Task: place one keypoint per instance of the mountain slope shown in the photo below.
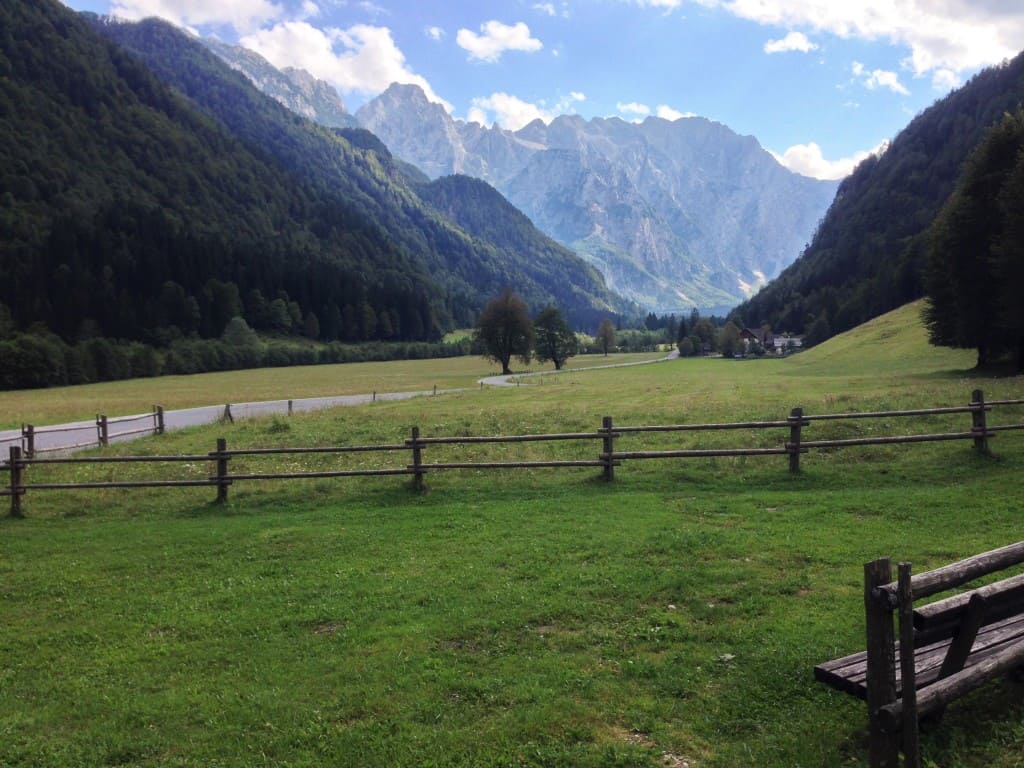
(867, 255)
(675, 214)
(294, 88)
(125, 210)
(370, 180)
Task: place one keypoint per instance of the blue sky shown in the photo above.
(819, 83)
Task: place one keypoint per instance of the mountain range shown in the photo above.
(675, 214)
(149, 191)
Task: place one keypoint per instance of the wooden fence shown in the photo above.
(101, 432)
(793, 445)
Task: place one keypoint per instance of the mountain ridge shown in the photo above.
(692, 208)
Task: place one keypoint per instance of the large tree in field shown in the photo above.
(975, 261)
(606, 335)
(505, 331)
(555, 340)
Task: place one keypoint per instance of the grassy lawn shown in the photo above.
(528, 618)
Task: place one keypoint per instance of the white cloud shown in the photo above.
(808, 160)
(667, 113)
(878, 78)
(946, 80)
(667, 4)
(547, 8)
(508, 111)
(567, 103)
(956, 35)
(635, 111)
(881, 78)
(360, 59)
(794, 41)
(435, 33)
(496, 38)
(242, 15)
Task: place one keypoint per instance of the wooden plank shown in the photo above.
(896, 440)
(1007, 592)
(700, 453)
(941, 693)
(706, 427)
(885, 414)
(321, 449)
(963, 571)
(511, 438)
(514, 464)
(849, 673)
(337, 473)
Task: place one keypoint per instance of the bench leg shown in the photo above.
(881, 662)
(960, 648)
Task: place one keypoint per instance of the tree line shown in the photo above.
(975, 266)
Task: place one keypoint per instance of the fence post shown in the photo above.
(28, 433)
(609, 448)
(881, 663)
(160, 425)
(16, 479)
(227, 414)
(417, 460)
(796, 420)
(102, 430)
(222, 470)
(908, 672)
(290, 407)
(978, 426)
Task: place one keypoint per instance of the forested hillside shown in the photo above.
(868, 254)
(479, 209)
(155, 200)
(127, 214)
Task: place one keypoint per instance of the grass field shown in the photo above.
(535, 618)
(118, 398)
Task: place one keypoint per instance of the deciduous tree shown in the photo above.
(504, 330)
(606, 335)
(555, 340)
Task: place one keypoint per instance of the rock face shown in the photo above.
(675, 214)
(294, 88)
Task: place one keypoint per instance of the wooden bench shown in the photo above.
(943, 650)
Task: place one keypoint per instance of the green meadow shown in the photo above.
(537, 617)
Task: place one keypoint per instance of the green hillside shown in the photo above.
(896, 343)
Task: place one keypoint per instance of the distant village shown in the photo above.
(771, 343)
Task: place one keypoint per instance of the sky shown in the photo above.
(819, 83)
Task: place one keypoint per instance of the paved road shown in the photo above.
(63, 438)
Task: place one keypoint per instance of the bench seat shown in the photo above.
(849, 674)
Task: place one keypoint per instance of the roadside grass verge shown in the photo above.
(516, 618)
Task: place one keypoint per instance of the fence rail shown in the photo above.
(794, 445)
(27, 441)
